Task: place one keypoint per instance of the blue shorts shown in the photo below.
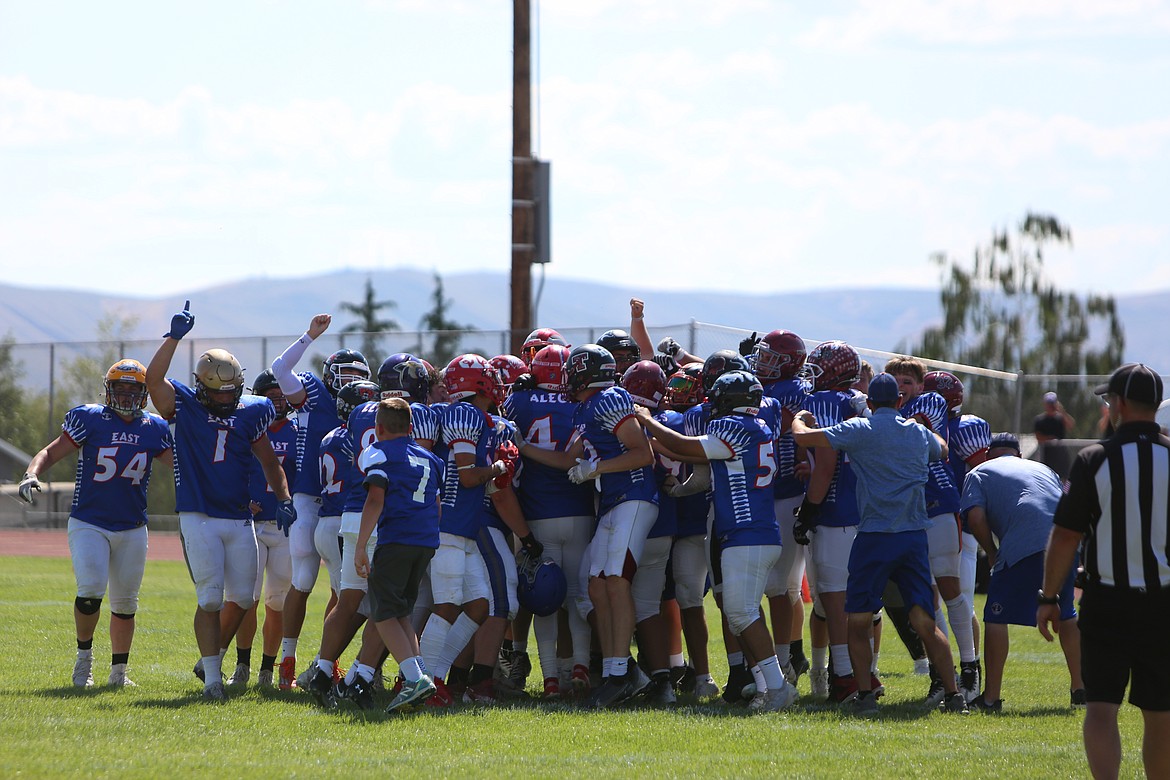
(1011, 593)
(901, 558)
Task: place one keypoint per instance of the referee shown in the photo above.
(1119, 502)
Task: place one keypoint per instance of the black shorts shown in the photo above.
(395, 573)
(1125, 640)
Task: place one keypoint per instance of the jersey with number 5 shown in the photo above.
(213, 455)
(545, 420)
(411, 475)
(113, 469)
(745, 511)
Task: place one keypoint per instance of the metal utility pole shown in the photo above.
(523, 239)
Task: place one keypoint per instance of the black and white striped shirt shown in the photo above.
(1119, 496)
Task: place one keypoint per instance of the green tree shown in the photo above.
(1001, 311)
(83, 377)
(446, 332)
(24, 418)
(369, 323)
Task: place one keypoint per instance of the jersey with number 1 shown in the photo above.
(283, 435)
(545, 420)
(113, 469)
(213, 455)
(745, 511)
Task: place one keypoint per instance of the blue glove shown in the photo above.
(181, 323)
(286, 515)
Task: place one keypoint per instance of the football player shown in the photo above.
(624, 349)
(538, 340)
(315, 402)
(740, 448)
(217, 430)
(107, 521)
(628, 508)
(274, 568)
(559, 512)
(945, 534)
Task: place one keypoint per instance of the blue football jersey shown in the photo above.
(113, 467)
(969, 435)
(464, 425)
(942, 494)
(745, 511)
(597, 419)
(213, 456)
(690, 511)
(545, 420)
(499, 432)
(790, 394)
(338, 471)
(411, 475)
(839, 508)
(360, 425)
(316, 416)
(283, 435)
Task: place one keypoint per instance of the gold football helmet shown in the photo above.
(126, 387)
(219, 382)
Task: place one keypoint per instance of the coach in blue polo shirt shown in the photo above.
(889, 455)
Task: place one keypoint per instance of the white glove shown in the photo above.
(27, 486)
(498, 468)
(584, 471)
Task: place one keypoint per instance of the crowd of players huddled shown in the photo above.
(589, 496)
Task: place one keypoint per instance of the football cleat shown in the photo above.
(552, 688)
(83, 670)
(580, 680)
(241, 675)
(441, 696)
(264, 678)
(683, 678)
(198, 670)
(706, 689)
(738, 678)
(338, 673)
(980, 704)
(954, 703)
(661, 691)
(969, 682)
(118, 677)
(936, 692)
(359, 693)
(483, 692)
(819, 679)
(789, 672)
(773, 700)
(876, 686)
(843, 688)
(612, 692)
(302, 680)
(288, 673)
(639, 680)
(410, 693)
(800, 666)
(320, 685)
(214, 693)
(864, 706)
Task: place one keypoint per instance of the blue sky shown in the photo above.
(157, 148)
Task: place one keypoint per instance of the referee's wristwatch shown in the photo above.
(1041, 599)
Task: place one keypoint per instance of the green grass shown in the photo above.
(162, 728)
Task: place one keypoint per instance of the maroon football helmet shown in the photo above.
(834, 365)
(779, 355)
(684, 389)
(948, 386)
(538, 340)
(646, 383)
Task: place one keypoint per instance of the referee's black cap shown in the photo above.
(1136, 382)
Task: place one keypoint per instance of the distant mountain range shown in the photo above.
(876, 318)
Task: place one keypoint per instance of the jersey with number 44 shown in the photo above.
(545, 420)
(113, 469)
(745, 512)
(213, 454)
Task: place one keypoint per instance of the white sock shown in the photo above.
(433, 640)
(85, 653)
(212, 669)
(770, 671)
(288, 647)
(734, 659)
(704, 678)
(784, 653)
(351, 673)
(842, 666)
(873, 667)
(457, 638)
(820, 657)
(618, 667)
(362, 671)
(545, 629)
(325, 666)
(676, 659)
(959, 613)
(761, 680)
(412, 669)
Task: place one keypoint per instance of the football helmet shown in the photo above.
(538, 340)
(470, 375)
(350, 361)
(589, 365)
(736, 391)
(624, 349)
(541, 586)
(646, 383)
(510, 367)
(779, 355)
(218, 373)
(355, 394)
(264, 383)
(402, 375)
(948, 386)
(834, 365)
(126, 387)
(548, 368)
(684, 389)
(719, 363)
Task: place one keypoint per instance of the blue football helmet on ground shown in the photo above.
(541, 586)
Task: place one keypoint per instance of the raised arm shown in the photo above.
(638, 330)
(285, 362)
(162, 393)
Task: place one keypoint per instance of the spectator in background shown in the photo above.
(1054, 423)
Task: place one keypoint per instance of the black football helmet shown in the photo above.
(589, 365)
(353, 395)
(402, 375)
(341, 360)
(719, 363)
(264, 383)
(736, 391)
(624, 349)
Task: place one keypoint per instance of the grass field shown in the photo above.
(162, 728)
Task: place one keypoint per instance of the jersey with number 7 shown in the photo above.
(411, 475)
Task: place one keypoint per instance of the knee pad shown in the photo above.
(123, 615)
(210, 599)
(87, 606)
(739, 621)
(646, 608)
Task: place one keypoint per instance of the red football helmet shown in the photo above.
(685, 387)
(645, 382)
(834, 365)
(470, 375)
(948, 386)
(538, 340)
(548, 368)
(510, 367)
(779, 355)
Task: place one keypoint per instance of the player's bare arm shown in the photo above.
(806, 433)
(371, 511)
(262, 449)
(638, 326)
(688, 447)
